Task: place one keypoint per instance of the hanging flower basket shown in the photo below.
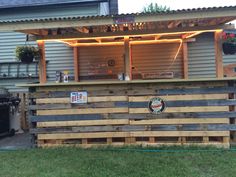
(229, 44)
(26, 54)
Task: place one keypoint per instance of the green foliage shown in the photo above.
(154, 7)
(27, 51)
(75, 162)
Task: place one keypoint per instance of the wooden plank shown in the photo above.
(132, 122)
(213, 90)
(61, 136)
(191, 103)
(128, 62)
(140, 116)
(81, 117)
(90, 99)
(144, 144)
(93, 93)
(205, 139)
(72, 23)
(109, 141)
(83, 123)
(148, 91)
(226, 139)
(82, 111)
(178, 133)
(180, 97)
(42, 63)
(181, 121)
(183, 109)
(83, 135)
(128, 128)
(229, 102)
(138, 91)
(218, 54)
(152, 140)
(163, 83)
(232, 108)
(107, 98)
(84, 141)
(185, 59)
(76, 63)
(191, 127)
(52, 100)
(79, 106)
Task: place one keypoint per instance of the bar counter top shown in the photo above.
(116, 82)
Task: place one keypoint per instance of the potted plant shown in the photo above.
(229, 44)
(26, 54)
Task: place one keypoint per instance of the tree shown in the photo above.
(154, 7)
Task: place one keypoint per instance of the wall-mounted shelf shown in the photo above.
(19, 70)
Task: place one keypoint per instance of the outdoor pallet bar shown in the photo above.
(138, 79)
(197, 111)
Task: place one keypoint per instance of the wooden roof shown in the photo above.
(123, 24)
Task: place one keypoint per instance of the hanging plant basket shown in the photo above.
(229, 44)
(26, 54)
(229, 48)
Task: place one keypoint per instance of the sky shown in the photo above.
(132, 6)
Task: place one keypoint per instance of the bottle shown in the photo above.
(66, 77)
(58, 76)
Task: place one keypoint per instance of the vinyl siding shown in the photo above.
(47, 12)
(8, 43)
(229, 59)
(202, 57)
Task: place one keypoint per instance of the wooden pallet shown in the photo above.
(144, 141)
(124, 131)
(196, 113)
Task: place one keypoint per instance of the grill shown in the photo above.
(7, 102)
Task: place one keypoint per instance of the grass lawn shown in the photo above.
(107, 162)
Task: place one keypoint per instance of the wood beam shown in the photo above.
(82, 29)
(117, 34)
(128, 64)
(185, 59)
(218, 54)
(42, 63)
(76, 63)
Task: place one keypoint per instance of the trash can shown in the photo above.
(7, 104)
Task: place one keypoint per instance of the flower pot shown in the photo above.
(27, 58)
(229, 48)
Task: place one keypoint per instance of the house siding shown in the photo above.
(58, 55)
(50, 12)
(202, 57)
(229, 59)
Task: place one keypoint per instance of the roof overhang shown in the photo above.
(226, 14)
(189, 21)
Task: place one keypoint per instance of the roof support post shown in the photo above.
(218, 54)
(76, 63)
(128, 62)
(185, 59)
(42, 63)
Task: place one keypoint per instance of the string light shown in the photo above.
(143, 35)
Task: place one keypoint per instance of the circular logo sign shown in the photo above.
(156, 105)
